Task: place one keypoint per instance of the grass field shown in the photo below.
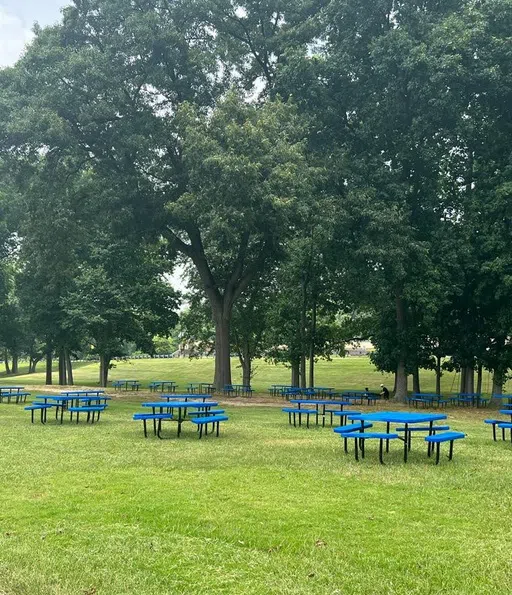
(264, 509)
(342, 373)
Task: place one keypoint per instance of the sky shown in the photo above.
(16, 20)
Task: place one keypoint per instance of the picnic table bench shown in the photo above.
(42, 407)
(204, 421)
(18, 396)
(437, 439)
(154, 417)
(90, 410)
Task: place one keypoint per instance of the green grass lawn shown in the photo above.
(264, 509)
(342, 373)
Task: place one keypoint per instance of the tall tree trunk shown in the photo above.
(498, 381)
(463, 371)
(222, 350)
(244, 356)
(438, 375)
(303, 370)
(49, 367)
(401, 375)
(470, 380)
(479, 376)
(303, 346)
(104, 369)
(62, 368)
(14, 368)
(6, 362)
(416, 380)
(312, 347)
(295, 373)
(33, 364)
(247, 371)
(69, 367)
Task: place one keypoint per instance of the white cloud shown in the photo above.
(14, 36)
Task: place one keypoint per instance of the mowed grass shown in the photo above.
(341, 373)
(266, 508)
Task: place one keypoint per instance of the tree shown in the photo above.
(217, 184)
(118, 297)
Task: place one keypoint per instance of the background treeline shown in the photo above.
(325, 170)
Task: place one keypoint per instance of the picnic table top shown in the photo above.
(163, 382)
(12, 387)
(401, 417)
(82, 392)
(186, 396)
(320, 401)
(182, 404)
(506, 411)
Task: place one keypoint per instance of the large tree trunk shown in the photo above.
(14, 368)
(312, 347)
(295, 373)
(470, 380)
(463, 371)
(33, 364)
(246, 371)
(69, 367)
(222, 350)
(479, 375)
(303, 370)
(6, 362)
(498, 380)
(401, 375)
(416, 380)
(49, 367)
(439, 373)
(104, 369)
(62, 368)
(244, 356)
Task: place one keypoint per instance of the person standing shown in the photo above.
(384, 393)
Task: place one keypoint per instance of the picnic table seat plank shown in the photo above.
(202, 422)
(438, 439)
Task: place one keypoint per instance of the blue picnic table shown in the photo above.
(182, 407)
(320, 406)
(162, 384)
(133, 384)
(63, 401)
(427, 399)
(13, 392)
(507, 397)
(470, 399)
(200, 387)
(185, 397)
(360, 395)
(404, 418)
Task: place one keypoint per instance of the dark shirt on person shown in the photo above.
(385, 392)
